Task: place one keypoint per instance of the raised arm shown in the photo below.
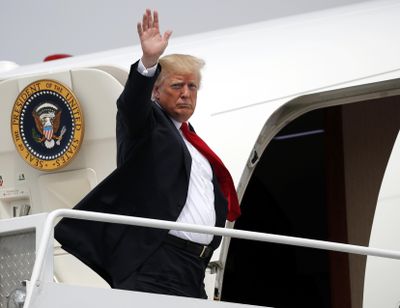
(134, 108)
(152, 42)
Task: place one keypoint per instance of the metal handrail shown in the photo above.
(162, 224)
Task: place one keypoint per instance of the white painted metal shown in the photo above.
(97, 92)
(304, 104)
(7, 66)
(34, 223)
(382, 276)
(46, 191)
(36, 283)
(67, 296)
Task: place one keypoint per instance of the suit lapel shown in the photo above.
(177, 135)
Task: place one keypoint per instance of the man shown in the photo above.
(162, 173)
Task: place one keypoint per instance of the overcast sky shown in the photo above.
(31, 30)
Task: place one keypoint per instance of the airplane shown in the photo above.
(303, 110)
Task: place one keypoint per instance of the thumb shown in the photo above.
(167, 35)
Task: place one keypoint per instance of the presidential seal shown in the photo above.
(47, 125)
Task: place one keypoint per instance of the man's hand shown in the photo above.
(153, 44)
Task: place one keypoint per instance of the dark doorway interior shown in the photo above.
(301, 187)
(284, 196)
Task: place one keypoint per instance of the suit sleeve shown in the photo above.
(134, 103)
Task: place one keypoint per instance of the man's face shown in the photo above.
(177, 94)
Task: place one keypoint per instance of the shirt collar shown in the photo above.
(176, 123)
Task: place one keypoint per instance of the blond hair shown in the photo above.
(179, 64)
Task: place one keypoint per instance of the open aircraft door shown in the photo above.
(316, 171)
(31, 182)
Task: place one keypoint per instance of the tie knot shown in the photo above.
(184, 127)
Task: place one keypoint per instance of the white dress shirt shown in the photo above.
(199, 207)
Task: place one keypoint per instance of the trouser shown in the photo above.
(169, 270)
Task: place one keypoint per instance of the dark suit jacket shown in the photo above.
(151, 180)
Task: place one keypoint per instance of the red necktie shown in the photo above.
(223, 176)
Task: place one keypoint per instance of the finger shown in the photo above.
(149, 19)
(144, 22)
(156, 23)
(139, 29)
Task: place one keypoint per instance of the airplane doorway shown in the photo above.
(318, 178)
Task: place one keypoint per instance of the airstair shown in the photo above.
(26, 263)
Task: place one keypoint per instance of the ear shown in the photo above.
(156, 92)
